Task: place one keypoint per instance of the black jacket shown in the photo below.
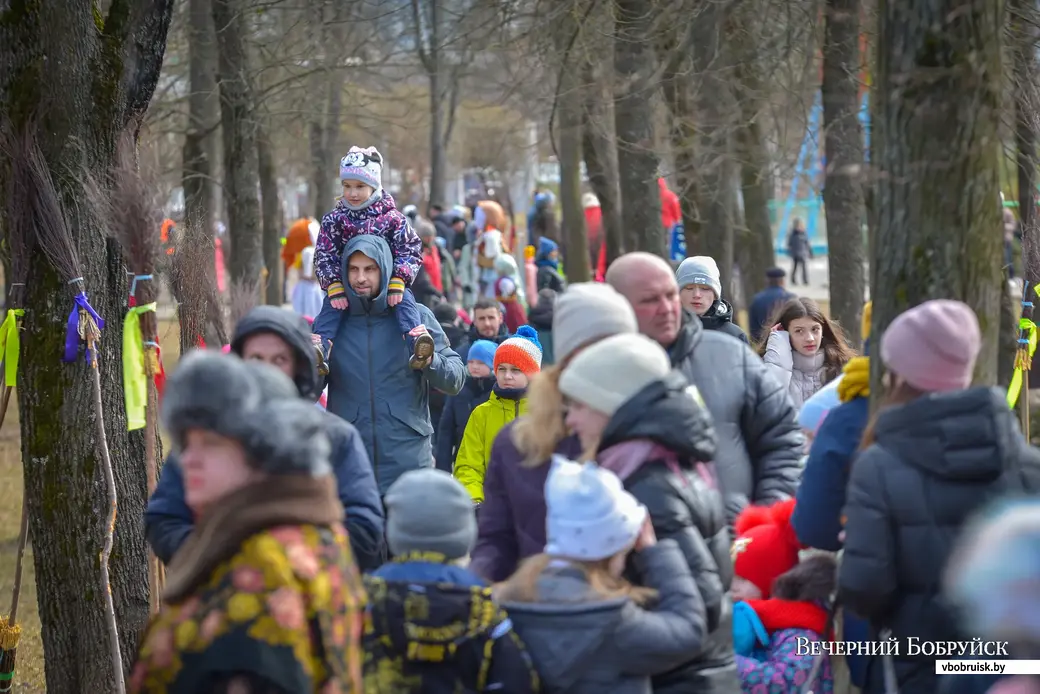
(933, 463)
(549, 278)
(719, 316)
(759, 441)
(454, 416)
(683, 506)
(472, 336)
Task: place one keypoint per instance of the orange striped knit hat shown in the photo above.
(522, 351)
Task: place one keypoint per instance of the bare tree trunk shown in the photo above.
(599, 146)
(238, 118)
(85, 92)
(570, 105)
(756, 240)
(272, 219)
(324, 131)
(843, 140)
(634, 122)
(199, 153)
(938, 92)
(682, 134)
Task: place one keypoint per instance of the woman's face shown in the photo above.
(586, 422)
(356, 192)
(697, 298)
(806, 336)
(510, 377)
(213, 466)
(743, 589)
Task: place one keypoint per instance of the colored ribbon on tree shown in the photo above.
(11, 345)
(72, 334)
(135, 380)
(1026, 349)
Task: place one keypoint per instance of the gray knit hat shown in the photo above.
(428, 510)
(700, 269)
(587, 311)
(252, 403)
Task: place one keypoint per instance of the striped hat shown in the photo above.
(522, 351)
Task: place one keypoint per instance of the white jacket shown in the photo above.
(801, 375)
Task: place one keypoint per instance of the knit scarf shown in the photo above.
(856, 380)
(777, 615)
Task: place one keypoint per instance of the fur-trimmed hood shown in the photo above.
(813, 579)
(252, 403)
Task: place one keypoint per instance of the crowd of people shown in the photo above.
(613, 490)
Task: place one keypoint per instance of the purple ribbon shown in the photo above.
(72, 330)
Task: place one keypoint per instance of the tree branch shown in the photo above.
(453, 103)
(420, 47)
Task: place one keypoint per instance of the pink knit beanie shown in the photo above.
(933, 346)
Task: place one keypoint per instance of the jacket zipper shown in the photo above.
(372, 400)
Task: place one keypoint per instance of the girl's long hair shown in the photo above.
(900, 394)
(538, 432)
(836, 349)
(522, 586)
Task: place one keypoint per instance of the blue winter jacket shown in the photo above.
(371, 384)
(454, 417)
(168, 520)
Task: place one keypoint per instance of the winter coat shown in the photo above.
(486, 420)
(511, 522)
(719, 316)
(380, 220)
(540, 318)
(371, 384)
(798, 245)
(767, 633)
(455, 415)
(759, 442)
(934, 462)
(472, 336)
(582, 643)
(802, 376)
(763, 309)
(658, 442)
(433, 627)
(548, 276)
(168, 520)
(431, 262)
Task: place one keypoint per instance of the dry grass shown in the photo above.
(29, 676)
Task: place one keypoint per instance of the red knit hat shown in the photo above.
(766, 545)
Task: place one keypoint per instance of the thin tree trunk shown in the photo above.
(199, 150)
(599, 147)
(938, 92)
(85, 92)
(570, 104)
(435, 74)
(634, 122)
(272, 219)
(324, 130)
(684, 142)
(843, 140)
(238, 118)
(757, 236)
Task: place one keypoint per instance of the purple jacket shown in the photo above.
(511, 524)
(381, 218)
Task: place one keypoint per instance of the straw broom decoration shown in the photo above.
(134, 218)
(17, 247)
(84, 326)
(193, 277)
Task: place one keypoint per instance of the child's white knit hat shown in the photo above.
(365, 165)
(589, 514)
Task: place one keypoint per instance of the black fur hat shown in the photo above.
(252, 403)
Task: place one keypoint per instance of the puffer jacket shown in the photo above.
(582, 643)
(719, 316)
(660, 443)
(801, 375)
(934, 462)
(486, 420)
(759, 442)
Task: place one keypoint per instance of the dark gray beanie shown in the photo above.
(428, 510)
(252, 403)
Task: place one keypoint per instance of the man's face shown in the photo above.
(270, 349)
(654, 296)
(488, 321)
(363, 275)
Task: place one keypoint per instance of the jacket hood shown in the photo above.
(718, 313)
(964, 435)
(690, 330)
(377, 249)
(667, 412)
(291, 327)
(566, 632)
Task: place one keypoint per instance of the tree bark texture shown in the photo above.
(599, 147)
(683, 137)
(715, 105)
(272, 219)
(843, 142)
(570, 104)
(938, 93)
(638, 163)
(85, 92)
(200, 153)
(325, 120)
(238, 120)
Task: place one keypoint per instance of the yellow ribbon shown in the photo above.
(135, 381)
(11, 345)
(1016, 379)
